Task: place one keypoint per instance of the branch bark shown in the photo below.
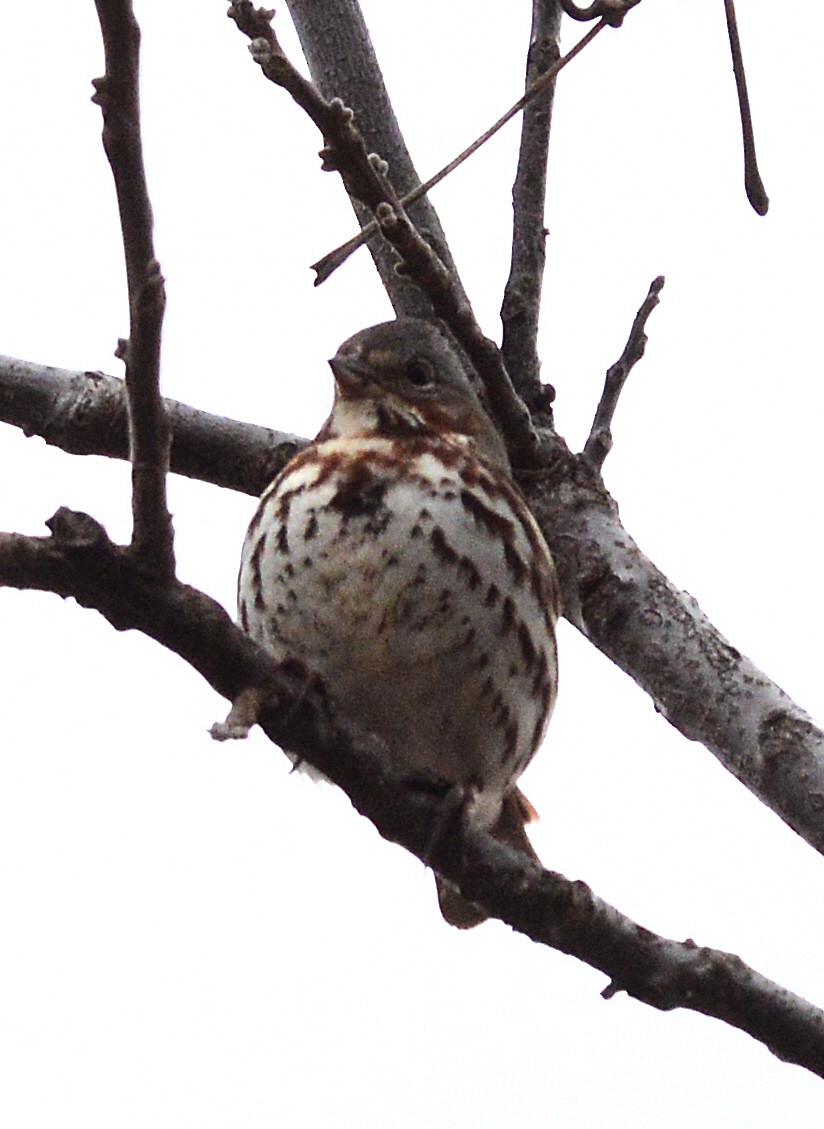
(521, 307)
(599, 442)
(613, 594)
(86, 413)
(365, 176)
(611, 591)
(335, 42)
(117, 94)
(753, 184)
(80, 561)
(658, 635)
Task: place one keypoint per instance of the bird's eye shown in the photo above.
(419, 372)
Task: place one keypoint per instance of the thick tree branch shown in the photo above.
(659, 636)
(117, 94)
(85, 413)
(521, 307)
(79, 561)
(624, 605)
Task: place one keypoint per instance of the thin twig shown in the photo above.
(599, 443)
(521, 306)
(753, 185)
(117, 94)
(326, 266)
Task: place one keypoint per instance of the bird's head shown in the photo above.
(403, 378)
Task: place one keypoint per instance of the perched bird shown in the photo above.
(396, 558)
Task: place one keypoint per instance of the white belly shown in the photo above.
(422, 596)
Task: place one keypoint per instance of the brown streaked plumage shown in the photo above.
(396, 558)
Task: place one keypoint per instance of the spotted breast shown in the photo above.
(396, 558)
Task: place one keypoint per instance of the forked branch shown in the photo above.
(365, 176)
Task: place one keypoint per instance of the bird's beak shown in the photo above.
(351, 374)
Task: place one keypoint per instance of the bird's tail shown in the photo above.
(509, 828)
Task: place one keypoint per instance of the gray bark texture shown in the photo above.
(612, 593)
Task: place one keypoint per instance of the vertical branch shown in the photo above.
(753, 185)
(522, 297)
(117, 94)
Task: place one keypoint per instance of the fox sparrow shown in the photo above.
(395, 557)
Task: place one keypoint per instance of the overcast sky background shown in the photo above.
(193, 938)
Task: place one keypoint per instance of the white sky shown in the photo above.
(194, 939)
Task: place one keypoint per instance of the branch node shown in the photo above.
(151, 295)
(261, 51)
(252, 21)
(243, 715)
(76, 530)
(101, 90)
(378, 164)
(344, 113)
(386, 216)
(327, 159)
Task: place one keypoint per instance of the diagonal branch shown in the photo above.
(521, 307)
(79, 560)
(365, 177)
(357, 83)
(117, 94)
(657, 634)
(345, 150)
(614, 594)
(326, 266)
(343, 64)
